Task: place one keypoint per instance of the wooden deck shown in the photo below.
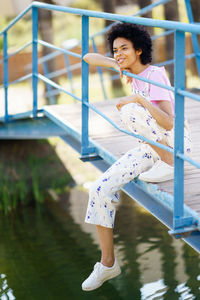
(118, 143)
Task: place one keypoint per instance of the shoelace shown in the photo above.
(96, 271)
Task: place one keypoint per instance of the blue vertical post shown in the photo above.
(35, 58)
(194, 37)
(5, 74)
(179, 129)
(85, 86)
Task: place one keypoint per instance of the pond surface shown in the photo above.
(46, 253)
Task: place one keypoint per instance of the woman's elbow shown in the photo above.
(170, 124)
(86, 57)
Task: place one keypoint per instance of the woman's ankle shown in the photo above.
(108, 262)
(165, 156)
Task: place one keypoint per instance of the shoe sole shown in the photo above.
(170, 177)
(96, 287)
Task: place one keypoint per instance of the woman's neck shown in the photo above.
(137, 69)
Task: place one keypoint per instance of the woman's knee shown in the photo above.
(133, 114)
(97, 188)
(100, 190)
(94, 188)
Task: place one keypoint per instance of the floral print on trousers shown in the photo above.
(104, 192)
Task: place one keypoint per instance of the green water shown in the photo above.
(46, 253)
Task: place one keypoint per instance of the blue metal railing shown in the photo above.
(179, 88)
(50, 93)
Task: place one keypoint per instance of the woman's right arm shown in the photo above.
(99, 60)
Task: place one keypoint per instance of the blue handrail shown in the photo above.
(179, 89)
(59, 49)
(5, 73)
(35, 58)
(140, 12)
(193, 28)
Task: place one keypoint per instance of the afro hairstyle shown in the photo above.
(137, 34)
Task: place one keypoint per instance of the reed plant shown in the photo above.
(26, 177)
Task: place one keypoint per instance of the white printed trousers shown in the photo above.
(104, 192)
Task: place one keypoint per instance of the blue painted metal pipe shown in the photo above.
(87, 147)
(171, 61)
(170, 88)
(148, 8)
(44, 59)
(57, 86)
(56, 73)
(59, 49)
(35, 58)
(85, 87)
(16, 19)
(18, 50)
(165, 33)
(5, 74)
(92, 107)
(188, 159)
(193, 28)
(142, 11)
(179, 127)
(23, 78)
(188, 94)
(48, 56)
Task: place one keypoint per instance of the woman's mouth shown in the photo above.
(120, 61)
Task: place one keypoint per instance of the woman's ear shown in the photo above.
(138, 52)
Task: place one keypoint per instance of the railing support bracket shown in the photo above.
(89, 154)
(184, 232)
(90, 157)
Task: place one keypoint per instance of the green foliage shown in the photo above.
(26, 175)
(87, 4)
(1, 44)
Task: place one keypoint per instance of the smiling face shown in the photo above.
(125, 54)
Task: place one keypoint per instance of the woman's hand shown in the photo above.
(128, 78)
(126, 100)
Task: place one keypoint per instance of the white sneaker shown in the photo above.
(158, 173)
(99, 275)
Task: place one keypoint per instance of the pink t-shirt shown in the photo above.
(152, 92)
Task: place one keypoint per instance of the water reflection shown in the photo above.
(5, 291)
(46, 254)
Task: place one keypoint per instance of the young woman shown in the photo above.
(149, 111)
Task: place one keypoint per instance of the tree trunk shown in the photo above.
(171, 13)
(142, 4)
(109, 7)
(45, 26)
(195, 4)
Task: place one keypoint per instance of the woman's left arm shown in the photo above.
(162, 114)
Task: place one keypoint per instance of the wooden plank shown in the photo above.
(118, 143)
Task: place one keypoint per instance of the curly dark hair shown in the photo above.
(137, 34)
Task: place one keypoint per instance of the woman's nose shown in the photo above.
(118, 53)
